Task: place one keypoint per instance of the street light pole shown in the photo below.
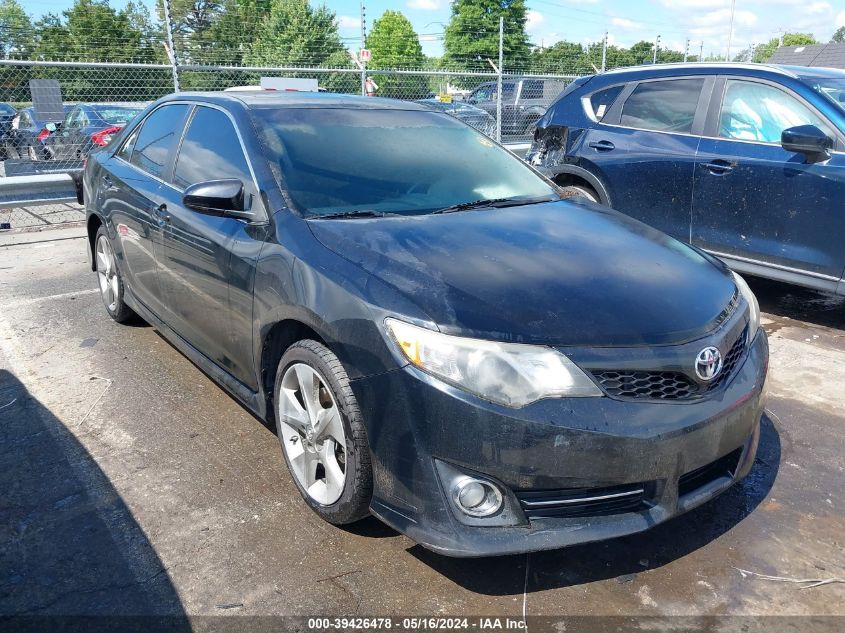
(731, 29)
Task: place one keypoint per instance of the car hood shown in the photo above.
(560, 273)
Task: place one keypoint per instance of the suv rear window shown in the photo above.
(531, 89)
(602, 100)
(664, 106)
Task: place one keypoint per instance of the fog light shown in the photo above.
(476, 497)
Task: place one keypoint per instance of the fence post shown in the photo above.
(171, 51)
(363, 46)
(499, 79)
(604, 53)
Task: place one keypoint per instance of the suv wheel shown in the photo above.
(322, 433)
(109, 279)
(581, 191)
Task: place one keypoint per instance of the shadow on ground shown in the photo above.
(797, 303)
(70, 546)
(623, 557)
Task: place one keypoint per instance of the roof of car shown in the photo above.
(284, 99)
(702, 67)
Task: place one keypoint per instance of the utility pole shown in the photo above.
(731, 29)
(701, 52)
(753, 48)
(686, 52)
(604, 53)
(363, 46)
(171, 51)
(656, 46)
(499, 82)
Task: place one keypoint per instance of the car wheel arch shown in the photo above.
(579, 176)
(93, 225)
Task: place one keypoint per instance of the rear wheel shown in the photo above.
(109, 279)
(581, 191)
(322, 434)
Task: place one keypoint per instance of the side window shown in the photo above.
(481, 95)
(602, 100)
(158, 136)
(210, 150)
(72, 119)
(126, 151)
(532, 89)
(757, 112)
(664, 106)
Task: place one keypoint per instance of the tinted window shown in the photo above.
(666, 106)
(831, 88)
(757, 112)
(390, 161)
(603, 99)
(532, 89)
(157, 138)
(211, 151)
(126, 151)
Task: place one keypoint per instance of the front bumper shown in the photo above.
(555, 444)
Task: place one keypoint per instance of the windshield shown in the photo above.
(831, 87)
(347, 160)
(116, 115)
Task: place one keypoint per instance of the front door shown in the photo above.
(207, 282)
(754, 200)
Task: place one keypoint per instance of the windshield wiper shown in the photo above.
(360, 213)
(491, 203)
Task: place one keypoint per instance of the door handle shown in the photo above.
(719, 167)
(161, 214)
(602, 146)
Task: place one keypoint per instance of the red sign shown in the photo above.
(366, 55)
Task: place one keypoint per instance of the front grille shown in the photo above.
(666, 385)
(655, 385)
(583, 502)
(722, 467)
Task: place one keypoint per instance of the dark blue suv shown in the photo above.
(744, 161)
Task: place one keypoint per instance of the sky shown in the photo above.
(626, 21)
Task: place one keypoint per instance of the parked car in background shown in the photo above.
(28, 135)
(441, 339)
(476, 117)
(744, 161)
(7, 114)
(89, 125)
(524, 101)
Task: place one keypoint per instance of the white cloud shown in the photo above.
(818, 7)
(625, 23)
(533, 21)
(723, 16)
(349, 21)
(426, 5)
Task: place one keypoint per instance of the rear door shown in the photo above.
(130, 195)
(755, 201)
(207, 270)
(644, 150)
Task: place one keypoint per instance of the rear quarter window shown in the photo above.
(601, 101)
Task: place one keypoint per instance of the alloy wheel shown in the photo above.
(312, 432)
(107, 273)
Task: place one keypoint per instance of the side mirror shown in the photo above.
(217, 197)
(806, 139)
(51, 127)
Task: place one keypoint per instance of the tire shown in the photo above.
(335, 502)
(109, 279)
(581, 191)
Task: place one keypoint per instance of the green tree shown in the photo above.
(295, 34)
(562, 57)
(16, 35)
(394, 44)
(839, 36)
(236, 28)
(472, 35)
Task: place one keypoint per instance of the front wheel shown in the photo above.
(322, 433)
(109, 279)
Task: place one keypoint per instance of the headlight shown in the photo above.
(753, 306)
(509, 374)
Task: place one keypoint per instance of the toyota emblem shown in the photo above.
(708, 363)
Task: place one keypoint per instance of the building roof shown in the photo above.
(818, 55)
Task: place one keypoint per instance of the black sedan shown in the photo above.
(28, 135)
(7, 115)
(89, 125)
(441, 338)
